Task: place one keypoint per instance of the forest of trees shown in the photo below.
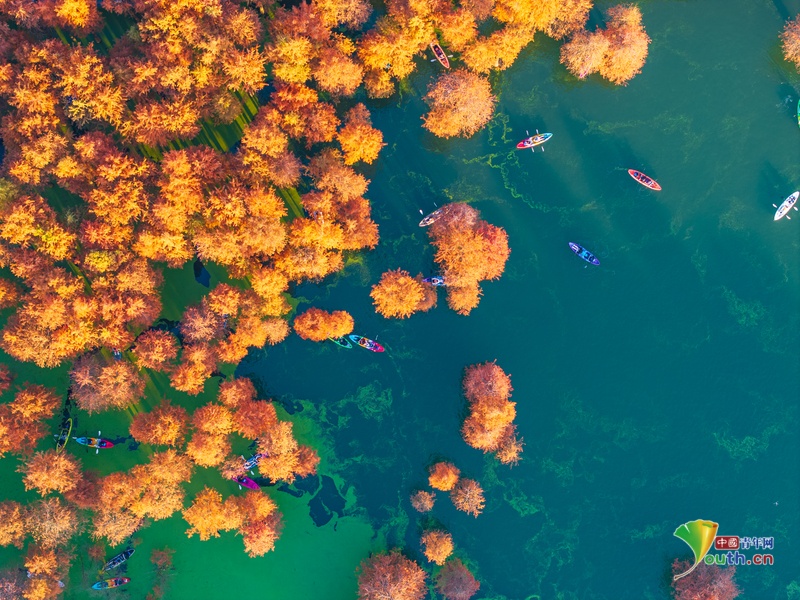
(139, 137)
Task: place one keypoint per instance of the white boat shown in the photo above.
(786, 206)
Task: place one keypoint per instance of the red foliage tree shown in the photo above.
(489, 424)
(706, 582)
(156, 349)
(455, 582)
(422, 501)
(390, 575)
(98, 384)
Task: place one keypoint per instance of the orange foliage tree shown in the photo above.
(22, 421)
(156, 349)
(790, 41)
(467, 496)
(617, 52)
(437, 545)
(358, 139)
(98, 384)
(51, 522)
(443, 476)
(390, 575)
(165, 424)
(318, 325)
(456, 582)
(261, 523)
(628, 44)
(397, 294)
(489, 425)
(208, 514)
(12, 523)
(461, 103)
(50, 471)
(468, 251)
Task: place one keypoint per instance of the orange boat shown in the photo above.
(646, 181)
(440, 55)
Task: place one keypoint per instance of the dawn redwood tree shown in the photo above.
(456, 582)
(397, 294)
(628, 44)
(390, 575)
(790, 41)
(51, 471)
(461, 103)
(705, 582)
(318, 325)
(443, 476)
(437, 545)
(422, 501)
(166, 424)
(467, 496)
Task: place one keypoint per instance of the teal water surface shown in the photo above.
(655, 389)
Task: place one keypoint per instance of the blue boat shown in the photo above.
(584, 253)
(434, 281)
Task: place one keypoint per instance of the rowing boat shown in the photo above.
(111, 583)
(646, 181)
(439, 54)
(427, 220)
(63, 435)
(247, 482)
(94, 442)
(434, 281)
(534, 140)
(584, 253)
(118, 559)
(786, 206)
(341, 341)
(366, 343)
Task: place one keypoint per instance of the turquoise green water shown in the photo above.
(655, 389)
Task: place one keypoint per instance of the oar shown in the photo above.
(537, 133)
(97, 450)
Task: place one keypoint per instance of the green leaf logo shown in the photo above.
(699, 536)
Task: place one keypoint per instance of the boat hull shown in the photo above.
(645, 180)
(429, 219)
(247, 482)
(341, 341)
(786, 206)
(63, 435)
(434, 281)
(118, 559)
(584, 253)
(94, 442)
(534, 140)
(110, 583)
(440, 55)
(366, 343)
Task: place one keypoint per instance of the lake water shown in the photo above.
(657, 388)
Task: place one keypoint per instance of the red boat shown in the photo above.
(439, 54)
(246, 482)
(646, 181)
